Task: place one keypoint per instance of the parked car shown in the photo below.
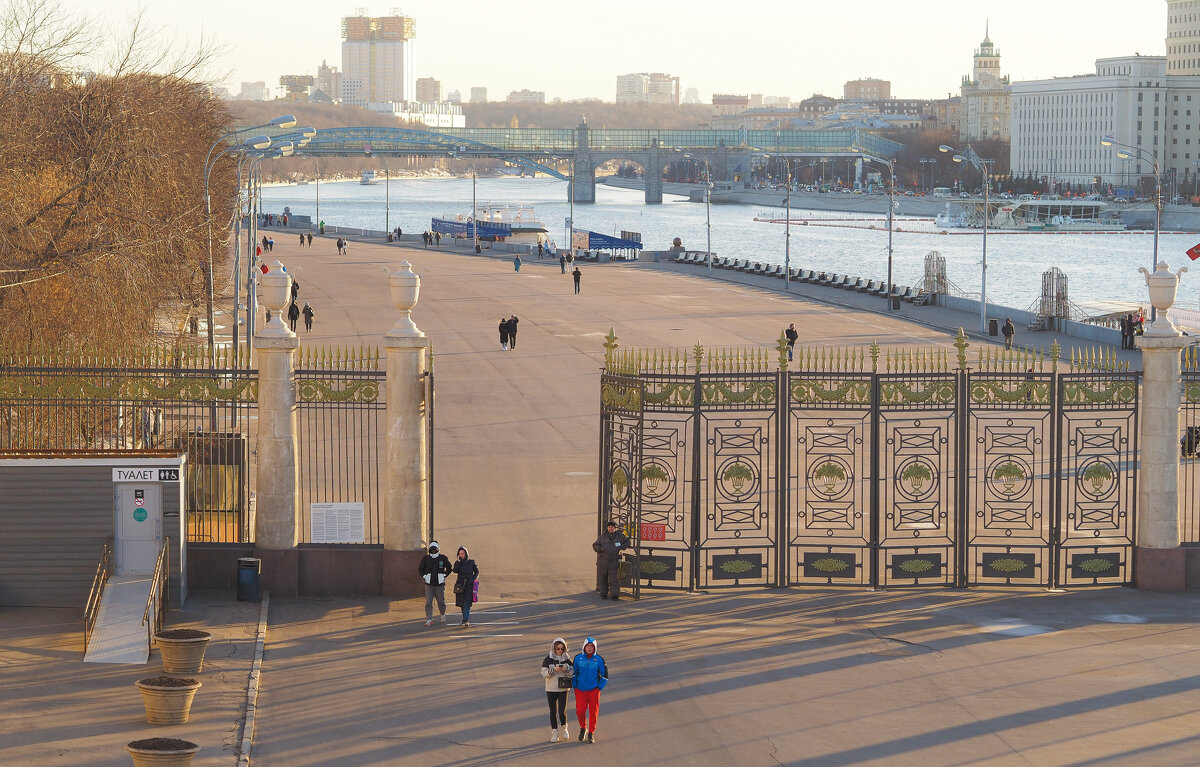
(1006, 195)
(964, 195)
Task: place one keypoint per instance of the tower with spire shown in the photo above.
(986, 95)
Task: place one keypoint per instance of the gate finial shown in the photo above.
(610, 345)
(960, 342)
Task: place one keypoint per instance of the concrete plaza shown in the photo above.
(759, 677)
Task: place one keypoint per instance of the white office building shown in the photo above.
(647, 88)
(377, 60)
(1057, 124)
(1183, 37)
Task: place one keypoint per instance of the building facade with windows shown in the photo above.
(1057, 124)
(867, 89)
(429, 90)
(985, 110)
(377, 59)
(526, 96)
(1183, 37)
(647, 88)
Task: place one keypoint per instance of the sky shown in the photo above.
(576, 50)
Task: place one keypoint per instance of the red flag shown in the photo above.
(1194, 252)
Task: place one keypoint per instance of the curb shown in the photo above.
(246, 743)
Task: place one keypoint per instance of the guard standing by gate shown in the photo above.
(608, 548)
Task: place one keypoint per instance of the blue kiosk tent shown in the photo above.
(488, 231)
(584, 240)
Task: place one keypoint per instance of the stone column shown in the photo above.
(652, 177)
(275, 528)
(1159, 562)
(405, 527)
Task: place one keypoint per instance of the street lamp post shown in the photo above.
(891, 166)
(1125, 153)
(983, 166)
(787, 226)
(707, 202)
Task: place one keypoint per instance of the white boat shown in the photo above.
(1035, 215)
(520, 220)
(368, 178)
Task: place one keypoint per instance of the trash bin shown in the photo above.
(895, 303)
(391, 237)
(249, 579)
(993, 327)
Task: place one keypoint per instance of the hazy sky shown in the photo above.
(576, 49)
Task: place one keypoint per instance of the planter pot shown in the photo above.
(168, 699)
(162, 752)
(182, 650)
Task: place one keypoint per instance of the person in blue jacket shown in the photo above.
(591, 675)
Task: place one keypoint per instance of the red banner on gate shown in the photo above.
(1194, 252)
(652, 532)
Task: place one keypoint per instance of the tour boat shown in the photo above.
(368, 178)
(1036, 215)
(519, 221)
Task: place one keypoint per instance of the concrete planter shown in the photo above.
(162, 752)
(168, 699)
(182, 650)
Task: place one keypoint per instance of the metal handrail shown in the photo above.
(91, 608)
(155, 604)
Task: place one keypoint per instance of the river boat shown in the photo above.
(520, 223)
(1034, 215)
(368, 178)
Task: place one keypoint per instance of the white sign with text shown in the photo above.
(336, 523)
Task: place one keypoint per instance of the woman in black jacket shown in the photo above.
(464, 586)
(504, 335)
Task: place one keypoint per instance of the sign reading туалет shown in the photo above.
(145, 475)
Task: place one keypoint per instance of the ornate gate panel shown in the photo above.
(829, 465)
(1010, 496)
(918, 479)
(1097, 453)
(667, 486)
(736, 529)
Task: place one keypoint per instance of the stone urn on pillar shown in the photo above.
(1163, 285)
(275, 292)
(405, 287)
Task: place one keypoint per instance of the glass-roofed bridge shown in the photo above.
(581, 150)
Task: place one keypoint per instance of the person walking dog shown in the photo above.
(590, 677)
(557, 672)
(434, 568)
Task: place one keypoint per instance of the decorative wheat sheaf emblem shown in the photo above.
(916, 474)
(1008, 474)
(916, 566)
(829, 565)
(737, 566)
(653, 567)
(829, 475)
(652, 476)
(737, 475)
(1097, 565)
(620, 482)
(1008, 565)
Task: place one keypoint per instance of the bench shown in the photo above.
(870, 286)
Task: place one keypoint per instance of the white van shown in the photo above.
(942, 191)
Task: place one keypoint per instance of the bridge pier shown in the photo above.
(652, 177)
(583, 187)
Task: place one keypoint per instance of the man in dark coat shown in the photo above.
(433, 569)
(1010, 331)
(608, 548)
(512, 332)
(791, 336)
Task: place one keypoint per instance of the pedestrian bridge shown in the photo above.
(728, 153)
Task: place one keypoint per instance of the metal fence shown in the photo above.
(1189, 448)
(340, 414)
(871, 468)
(167, 399)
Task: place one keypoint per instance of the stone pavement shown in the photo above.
(57, 710)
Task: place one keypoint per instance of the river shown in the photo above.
(1100, 267)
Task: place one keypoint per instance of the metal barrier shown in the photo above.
(156, 602)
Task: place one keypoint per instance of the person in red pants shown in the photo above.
(591, 675)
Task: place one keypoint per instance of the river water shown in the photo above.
(1098, 266)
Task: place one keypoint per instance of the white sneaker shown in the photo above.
(564, 733)
(554, 736)
(429, 623)
(443, 620)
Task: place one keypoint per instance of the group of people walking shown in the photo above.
(508, 333)
(431, 238)
(302, 239)
(587, 675)
(435, 568)
(1132, 325)
(294, 311)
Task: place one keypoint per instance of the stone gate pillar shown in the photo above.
(405, 528)
(275, 524)
(1159, 561)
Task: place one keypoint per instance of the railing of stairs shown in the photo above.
(92, 608)
(156, 603)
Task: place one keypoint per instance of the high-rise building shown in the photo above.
(479, 95)
(986, 109)
(527, 97)
(692, 96)
(454, 97)
(429, 90)
(377, 59)
(1183, 37)
(1057, 124)
(255, 92)
(867, 89)
(329, 81)
(647, 88)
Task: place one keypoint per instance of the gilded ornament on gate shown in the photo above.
(916, 474)
(829, 474)
(1008, 474)
(737, 474)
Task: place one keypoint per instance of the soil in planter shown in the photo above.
(183, 634)
(162, 744)
(168, 681)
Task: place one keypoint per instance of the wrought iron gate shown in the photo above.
(868, 468)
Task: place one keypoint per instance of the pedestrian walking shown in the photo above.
(1010, 331)
(295, 290)
(302, 241)
(293, 315)
(557, 672)
(270, 244)
(512, 332)
(577, 274)
(310, 239)
(504, 334)
(562, 262)
(608, 547)
(517, 263)
(437, 237)
(308, 317)
(590, 675)
(434, 568)
(265, 245)
(1126, 330)
(791, 336)
(539, 251)
(341, 246)
(464, 584)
